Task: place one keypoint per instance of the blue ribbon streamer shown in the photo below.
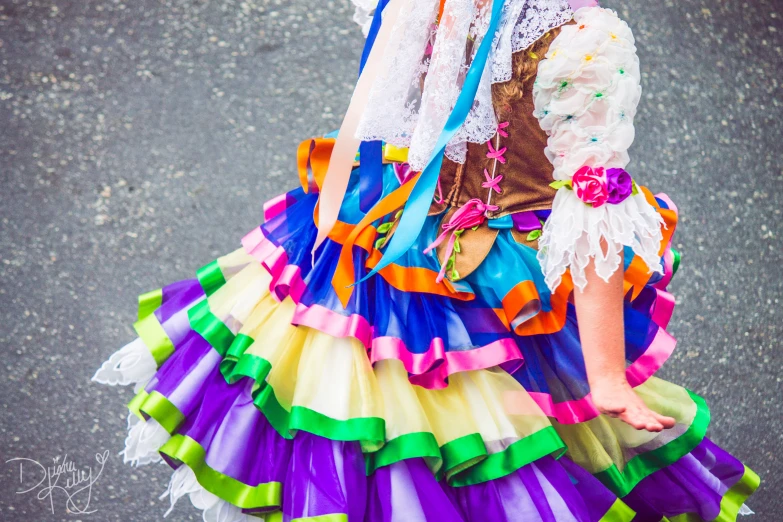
(371, 174)
(418, 205)
(375, 26)
(371, 152)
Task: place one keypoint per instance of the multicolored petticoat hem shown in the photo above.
(286, 383)
(257, 386)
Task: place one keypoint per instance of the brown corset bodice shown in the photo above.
(527, 172)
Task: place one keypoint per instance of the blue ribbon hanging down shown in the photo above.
(418, 205)
(371, 152)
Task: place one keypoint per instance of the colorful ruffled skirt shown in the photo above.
(418, 401)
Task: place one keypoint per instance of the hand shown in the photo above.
(618, 400)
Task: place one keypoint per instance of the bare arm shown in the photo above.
(599, 310)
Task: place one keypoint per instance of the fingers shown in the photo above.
(641, 417)
(638, 421)
(613, 411)
(666, 422)
(628, 407)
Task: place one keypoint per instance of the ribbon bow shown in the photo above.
(468, 216)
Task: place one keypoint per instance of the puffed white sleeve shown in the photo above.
(586, 93)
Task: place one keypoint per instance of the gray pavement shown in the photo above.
(138, 141)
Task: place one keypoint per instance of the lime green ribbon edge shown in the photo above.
(461, 461)
(731, 502)
(641, 466)
(183, 449)
(277, 516)
(149, 302)
(618, 512)
(147, 326)
(211, 277)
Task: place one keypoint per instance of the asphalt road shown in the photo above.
(138, 141)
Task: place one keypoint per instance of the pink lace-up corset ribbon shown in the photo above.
(471, 214)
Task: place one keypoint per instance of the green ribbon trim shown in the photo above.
(619, 512)
(641, 466)
(336, 517)
(210, 277)
(277, 516)
(677, 259)
(461, 453)
(731, 502)
(465, 460)
(265, 400)
(156, 406)
(155, 338)
(236, 364)
(136, 402)
(212, 329)
(149, 302)
(521, 453)
(737, 495)
(409, 446)
(368, 430)
(557, 185)
(183, 449)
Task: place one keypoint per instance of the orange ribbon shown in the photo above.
(343, 279)
(346, 145)
(313, 156)
(440, 10)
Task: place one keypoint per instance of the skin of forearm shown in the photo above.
(599, 311)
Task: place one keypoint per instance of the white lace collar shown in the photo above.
(424, 65)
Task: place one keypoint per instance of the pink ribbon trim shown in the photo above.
(431, 368)
(334, 324)
(582, 410)
(492, 183)
(275, 206)
(496, 154)
(286, 278)
(663, 308)
(659, 351)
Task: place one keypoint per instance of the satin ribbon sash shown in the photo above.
(313, 156)
(344, 153)
(417, 199)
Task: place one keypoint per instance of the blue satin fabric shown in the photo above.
(418, 204)
(553, 363)
(371, 152)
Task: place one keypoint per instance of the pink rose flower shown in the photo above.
(590, 185)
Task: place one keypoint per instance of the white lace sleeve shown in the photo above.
(586, 94)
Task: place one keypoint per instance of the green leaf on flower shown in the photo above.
(533, 235)
(397, 215)
(557, 185)
(384, 228)
(379, 244)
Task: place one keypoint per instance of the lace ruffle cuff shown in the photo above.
(595, 215)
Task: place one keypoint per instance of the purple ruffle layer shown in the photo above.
(321, 476)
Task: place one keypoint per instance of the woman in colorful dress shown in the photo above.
(458, 315)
